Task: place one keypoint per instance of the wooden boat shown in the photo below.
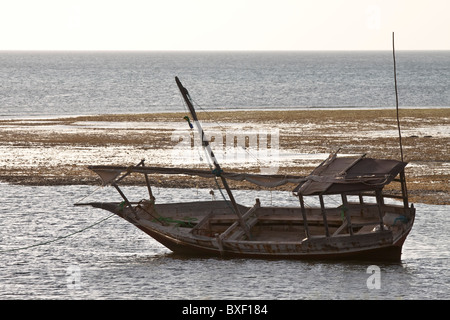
(361, 222)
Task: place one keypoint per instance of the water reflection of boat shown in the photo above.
(353, 219)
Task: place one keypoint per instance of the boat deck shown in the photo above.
(213, 218)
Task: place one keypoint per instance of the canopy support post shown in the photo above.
(324, 215)
(347, 213)
(404, 189)
(305, 222)
(380, 203)
(125, 199)
(147, 181)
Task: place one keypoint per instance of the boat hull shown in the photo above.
(378, 245)
(260, 250)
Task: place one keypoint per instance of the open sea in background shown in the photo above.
(114, 260)
(43, 84)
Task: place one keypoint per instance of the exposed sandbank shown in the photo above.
(57, 151)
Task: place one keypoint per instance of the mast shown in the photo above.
(205, 143)
(396, 98)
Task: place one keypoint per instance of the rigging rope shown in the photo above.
(246, 150)
(98, 188)
(204, 149)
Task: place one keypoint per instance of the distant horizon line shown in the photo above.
(220, 50)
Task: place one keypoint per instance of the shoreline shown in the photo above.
(4, 118)
(56, 151)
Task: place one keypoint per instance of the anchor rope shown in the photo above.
(66, 236)
(59, 238)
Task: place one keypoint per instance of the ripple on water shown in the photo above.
(115, 260)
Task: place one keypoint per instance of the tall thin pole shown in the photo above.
(206, 145)
(396, 98)
(402, 174)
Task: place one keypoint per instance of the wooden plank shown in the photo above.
(202, 223)
(287, 218)
(239, 233)
(342, 227)
(245, 229)
(392, 196)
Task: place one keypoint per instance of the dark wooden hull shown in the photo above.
(386, 253)
(370, 246)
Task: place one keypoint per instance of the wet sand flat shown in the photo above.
(57, 151)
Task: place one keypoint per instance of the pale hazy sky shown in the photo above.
(224, 24)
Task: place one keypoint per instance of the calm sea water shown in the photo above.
(115, 260)
(74, 83)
